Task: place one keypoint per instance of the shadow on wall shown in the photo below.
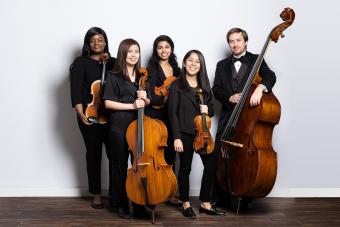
(68, 132)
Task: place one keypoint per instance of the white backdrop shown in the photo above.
(42, 152)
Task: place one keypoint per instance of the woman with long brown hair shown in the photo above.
(184, 106)
(123, 98)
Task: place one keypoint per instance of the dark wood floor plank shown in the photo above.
(77, 212)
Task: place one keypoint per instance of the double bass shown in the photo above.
(150, 180)
(247, 163)
(95, 111)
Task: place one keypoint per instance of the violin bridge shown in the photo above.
(233, 143)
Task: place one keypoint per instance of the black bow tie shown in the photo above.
(234, 59)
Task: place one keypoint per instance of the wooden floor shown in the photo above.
(77, 212)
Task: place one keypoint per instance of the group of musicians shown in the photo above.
(176, 108)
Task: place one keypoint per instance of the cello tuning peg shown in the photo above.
(282, 35)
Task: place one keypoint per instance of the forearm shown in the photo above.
(112, 105)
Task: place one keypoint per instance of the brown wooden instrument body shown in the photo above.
(164, 89)
(253, 167)
(95, 110)
(161, 180)
(150, 180)
(204, 142)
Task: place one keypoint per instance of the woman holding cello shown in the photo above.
(184, 106)
(122, 97)
(86, 69)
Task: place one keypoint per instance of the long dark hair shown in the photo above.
(86, 51)
(202, 75)
(154, 59)
(123, 49)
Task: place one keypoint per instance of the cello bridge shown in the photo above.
(233, 143)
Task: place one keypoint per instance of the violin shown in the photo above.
(163, 90)
(204, 142)
(95, 111)
(150, 180)
(247, 163)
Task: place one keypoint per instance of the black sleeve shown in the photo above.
(221, 93)
(111, 91)
(77, 73)
(267, 75)
(173, 109)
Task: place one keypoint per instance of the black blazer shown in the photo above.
(183, 108)
(222, 87)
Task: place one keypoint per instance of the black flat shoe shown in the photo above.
(97, 205)
(211, 211)
(124, 213)
(189, 213)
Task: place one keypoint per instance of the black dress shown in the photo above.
(84, 71)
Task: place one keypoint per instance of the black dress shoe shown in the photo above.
(211, 211)
(140, 212)
(189, 213)
(124, 213)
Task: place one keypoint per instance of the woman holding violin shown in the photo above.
(184, 106)
(86, 69)
(123, 98)
(163, 70)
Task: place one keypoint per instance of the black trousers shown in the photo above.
(119, 164)
(94, 137)
(208, 178)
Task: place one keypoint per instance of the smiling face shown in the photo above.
(237, 43)
(132, 56)
(192, 65)
(97, 44)
(164, 50)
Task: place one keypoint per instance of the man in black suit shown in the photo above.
(230, 77)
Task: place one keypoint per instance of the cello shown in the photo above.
(95, 111)
(203, 143)
(150, 180)
(247, 162)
